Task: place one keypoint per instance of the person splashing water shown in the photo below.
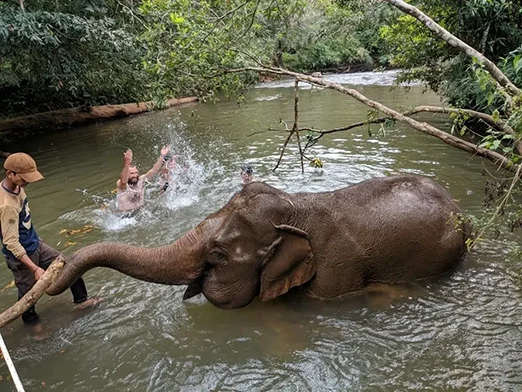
(131, 186)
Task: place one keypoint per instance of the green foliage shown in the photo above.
(493, 27)
(330, 35)
(189, 42)
(63, 54)
(54, 57)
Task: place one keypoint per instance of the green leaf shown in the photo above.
(176, 18)
(496, 115)
(517, 63)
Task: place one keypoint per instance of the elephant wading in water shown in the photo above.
(264, 241)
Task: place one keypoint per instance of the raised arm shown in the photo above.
(159, 163)
(124, 176)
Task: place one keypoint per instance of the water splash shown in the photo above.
(187, 176)
(384, 78)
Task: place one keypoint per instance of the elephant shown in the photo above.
(265, 242)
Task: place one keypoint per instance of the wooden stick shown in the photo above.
(11, 366)
(33, 295)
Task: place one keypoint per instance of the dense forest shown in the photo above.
(64, 54)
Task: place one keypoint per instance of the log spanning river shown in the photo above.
(460, 332)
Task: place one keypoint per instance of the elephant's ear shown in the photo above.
(290, 263)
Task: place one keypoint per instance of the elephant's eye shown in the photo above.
(216, 257)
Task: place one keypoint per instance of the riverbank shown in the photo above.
(64, 118)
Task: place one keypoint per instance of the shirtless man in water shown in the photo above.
(131, 186)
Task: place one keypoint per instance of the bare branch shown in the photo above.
(284, 147)
(253, 17)
(295, 128)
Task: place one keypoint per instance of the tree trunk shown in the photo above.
(77, 116)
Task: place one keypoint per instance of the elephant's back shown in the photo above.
(392, 229)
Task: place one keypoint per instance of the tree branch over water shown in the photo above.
(444, 34)
(424, 127)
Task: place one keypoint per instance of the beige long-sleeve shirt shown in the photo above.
(17, 232)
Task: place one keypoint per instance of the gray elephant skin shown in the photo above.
(264, 242)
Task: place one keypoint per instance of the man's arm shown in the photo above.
(10, 237)
(159, 163)
(124, 176)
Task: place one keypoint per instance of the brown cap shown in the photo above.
(23, 165)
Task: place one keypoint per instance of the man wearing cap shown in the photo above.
(26, 255)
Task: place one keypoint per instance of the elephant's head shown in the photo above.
(249, 247)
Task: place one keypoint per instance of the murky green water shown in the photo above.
(461, 332)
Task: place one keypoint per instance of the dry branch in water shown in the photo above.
(33, 295)
(424, 127)
(498, 124)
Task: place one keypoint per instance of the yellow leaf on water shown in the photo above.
(9, 285)
(84, 229)
(63, 231)
(69, 243)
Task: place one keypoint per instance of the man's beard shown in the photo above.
(132, 181)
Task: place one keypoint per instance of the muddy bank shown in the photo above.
(77, 116)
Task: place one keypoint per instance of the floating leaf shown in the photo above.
(9, 285)
(316, 162)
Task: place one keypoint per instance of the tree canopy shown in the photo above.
(63, 54)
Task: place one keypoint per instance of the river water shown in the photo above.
(459, 332)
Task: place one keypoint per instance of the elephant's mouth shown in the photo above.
(194, 288)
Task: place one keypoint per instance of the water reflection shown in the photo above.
(462, 331)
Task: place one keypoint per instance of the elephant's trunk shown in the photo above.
(175, 264)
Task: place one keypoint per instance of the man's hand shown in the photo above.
(38, 273)
(165, 150)
(127, 156)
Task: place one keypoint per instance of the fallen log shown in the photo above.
(33, 295)
(65, 118)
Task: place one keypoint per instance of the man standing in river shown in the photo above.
(131, 186)
(26, 255)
